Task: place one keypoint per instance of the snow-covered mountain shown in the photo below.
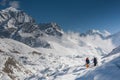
(16, 24)
(64, 60)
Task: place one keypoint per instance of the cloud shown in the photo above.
(4, 2)
(14, 4)
(11, 3)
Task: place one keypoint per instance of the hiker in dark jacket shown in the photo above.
(95, 61)
(87, 62)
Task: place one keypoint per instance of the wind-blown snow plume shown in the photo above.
(14, 4)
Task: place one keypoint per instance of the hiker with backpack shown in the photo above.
(87, 62)
(95, 61)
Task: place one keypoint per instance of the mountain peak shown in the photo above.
(11, 9)
(93, 31)
(53, 24)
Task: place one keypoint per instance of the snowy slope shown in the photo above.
(68, 55)
(16, 60)
(19, 61)
(110, 70)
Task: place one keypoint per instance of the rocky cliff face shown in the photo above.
(51, 29)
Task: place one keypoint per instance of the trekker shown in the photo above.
(87, 62)
(95, 61)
